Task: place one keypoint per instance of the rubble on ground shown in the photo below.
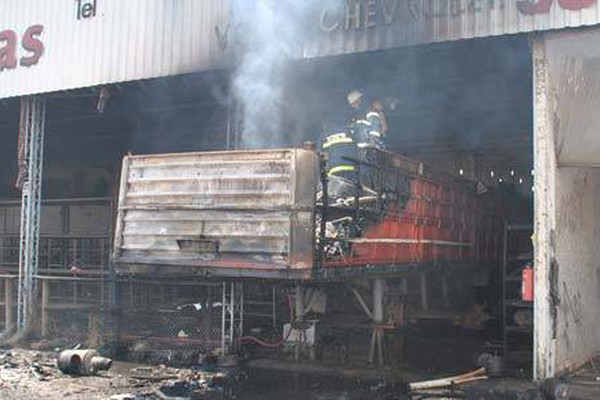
(26, 374)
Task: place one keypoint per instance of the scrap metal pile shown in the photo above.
(82, 374)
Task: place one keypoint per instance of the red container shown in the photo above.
(443, 220)
(528, 285)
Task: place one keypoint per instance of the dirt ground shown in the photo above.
(26, 375)
(585, 383)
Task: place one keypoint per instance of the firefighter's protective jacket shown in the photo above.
(340, 148)
(370, 127)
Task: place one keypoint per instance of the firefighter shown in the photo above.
(340, 147)
(368, 121)
(369, 126)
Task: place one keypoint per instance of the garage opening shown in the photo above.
(462, 107)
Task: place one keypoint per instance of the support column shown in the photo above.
(274, 306)
(404, 286)
(544, 186)
(299, 316)
(299, 306)
(424, 293)
(445, 289)
(31, 146)
(9, 305)
(378, 288)
(377, 337)
(44, 311)
(224, 318)
(207, 316)
(232, 316)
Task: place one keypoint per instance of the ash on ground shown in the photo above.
(26, 374)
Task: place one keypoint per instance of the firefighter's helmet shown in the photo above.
(354, 96)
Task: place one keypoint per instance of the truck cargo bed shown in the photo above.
(258, 214)
(223, 210)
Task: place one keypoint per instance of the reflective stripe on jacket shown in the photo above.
(340, 147)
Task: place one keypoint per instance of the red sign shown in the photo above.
(533, 7)
(30, 42)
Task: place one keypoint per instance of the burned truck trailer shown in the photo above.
(262, 214)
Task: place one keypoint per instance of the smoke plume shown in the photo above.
(269, 34)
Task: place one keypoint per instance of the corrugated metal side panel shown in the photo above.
(247, 203)
(51, 221)
(396, 23)
(11, 216)
(90, 219)
(125, 41)
(86, 218)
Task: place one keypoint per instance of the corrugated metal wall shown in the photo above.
(124, 41)
(141, 39)
(262, 216)
(77, 218)
(365, 25)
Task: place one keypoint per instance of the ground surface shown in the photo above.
(585, 384)
(26, 375)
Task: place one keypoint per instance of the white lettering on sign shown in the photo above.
(364, 14)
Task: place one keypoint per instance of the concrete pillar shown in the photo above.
(544, 186)
(44, 310)
(9, 304)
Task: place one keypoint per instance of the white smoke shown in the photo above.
(269, 33)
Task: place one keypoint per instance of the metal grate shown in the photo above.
(169, 322)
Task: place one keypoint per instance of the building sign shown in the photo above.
(48, 46)
(21, 50)
(346, 26)
(363, 14)
(86, 9)
(532, 7)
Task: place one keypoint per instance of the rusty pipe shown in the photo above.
(82, 362)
